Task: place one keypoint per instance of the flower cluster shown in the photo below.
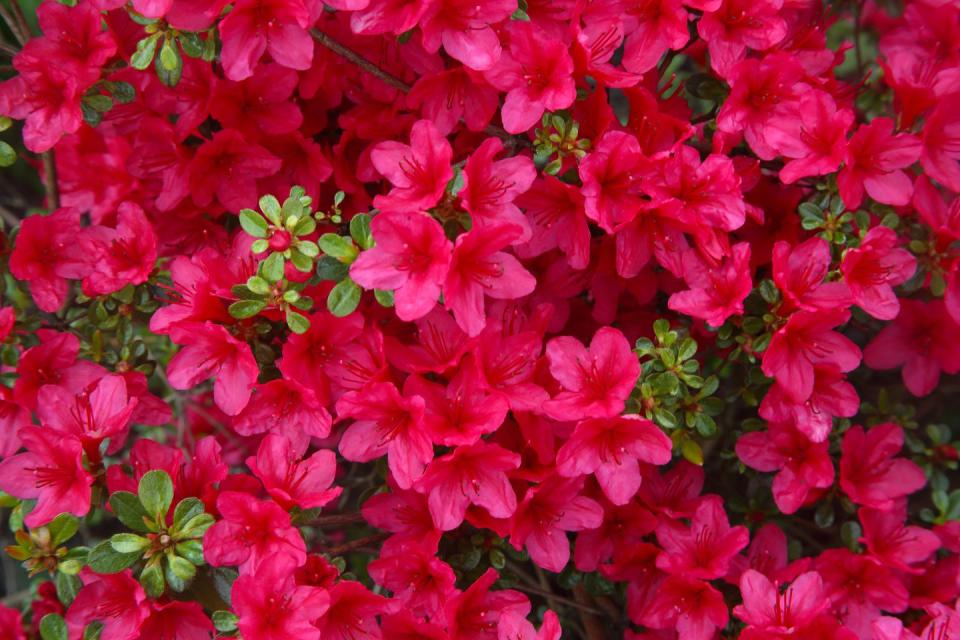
(501, 320)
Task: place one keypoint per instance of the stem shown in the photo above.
(50, 180)
(549, 595)
(336, 519)
(397, 83)
(355, 544)
(591, 623)
(360, 61)
(8, 17)
(858, 13)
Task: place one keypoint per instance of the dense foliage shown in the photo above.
(480, 320)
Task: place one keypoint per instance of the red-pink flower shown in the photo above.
(812, 133)
(457, 93)
(716, 291)
(490, 186)
(352, 614)
(923, 339)
(546, 513)
(802, 466)
(411, 257)
(555, 213)
(597, 381)
(227, 168)
(874, 163)
(175, 620)
(254, 27)
(704, 549)
(870, 474)
(120, 256)
(472, 474)
(51, 471)
(461, 411)
(807, 340)
(45, 255)
(894, 543)
(386, 423)
(419, 580)
(210, 351)
(284, 407)
(481, 268)
(102, 410)
(11, 624)
(261, 103)
(292, 479)
(832, 397)
(463, 27)
(770, 613)
(611, 176)
(116, 601)
(271, 606)
(692, 607)
(799, 272)
(737, 25)
(475, 613)
(941, 137)
(536, 72)
(612, 448)
(874, 268)
(253, 534)
(859, 588)
(419, 171)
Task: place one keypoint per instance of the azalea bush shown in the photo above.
(480, 320)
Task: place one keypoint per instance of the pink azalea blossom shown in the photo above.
(612, 448)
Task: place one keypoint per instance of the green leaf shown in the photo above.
(259, 286)
(152, 579)
(223, 579)
(104, 558)
(246, 308)
(301, 262)
(306, 226)
(338, 247)
(272, 268)
(186, 510)
(146, 49)
(456, 183)
(259, 246)
(344, 298)
(225, 621)
(309, 249)
(128, 543)
(191, 43)
(123, 92)
(297, 322)
(62, 528)
(271, 208)
(68, 586)
(53, 627)
(99, 102)
(183, 569)
(192, 550)
(156, 493)
(93, 630)
(8, 155)
(687, 349)
(331, 269)
(128, 510)
(253, 223)
(169, 64)
(360, 230)
(196, 526)
(385, 298)
(850, 533)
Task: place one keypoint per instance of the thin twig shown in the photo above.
(8, 49)
(591, 623)
(858, 16)
(397, 83)
(340, 549)
(21, 19)
(359, 60)
(13, 24)
(549, 595)
(16, 599)
(50, 180)
(336, 519)
(9, 217)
